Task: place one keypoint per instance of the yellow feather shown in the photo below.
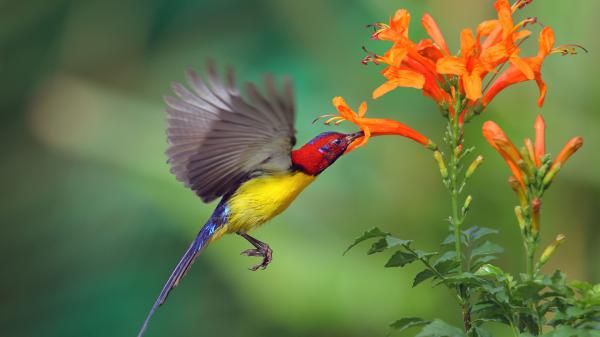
(260, 199)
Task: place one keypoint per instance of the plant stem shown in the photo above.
(454, 144)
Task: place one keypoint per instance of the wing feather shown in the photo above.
(217, 138)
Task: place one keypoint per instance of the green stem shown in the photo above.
(454, 142)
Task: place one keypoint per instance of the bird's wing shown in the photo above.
(217, 138)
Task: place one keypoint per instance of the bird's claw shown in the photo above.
(264, 251)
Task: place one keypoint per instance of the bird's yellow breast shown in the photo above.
(260, 199)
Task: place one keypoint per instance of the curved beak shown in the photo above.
(352, 136)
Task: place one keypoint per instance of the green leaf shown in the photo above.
(479, 332)
(408, 322)
(487, 248)
(400, 259)
(447, 256)
(439, 328)
(425, 255)
(489, 270)
(378, 247)
(422, 276)
(393, 241)
(370, 234)
(568, 331)
(476, 233)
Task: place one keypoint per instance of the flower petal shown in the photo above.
(467, 42)
(434, 31)
(451, 65)
(546, 42)
(472, 85)
(384, 89)
(523, 66)
(362, 109)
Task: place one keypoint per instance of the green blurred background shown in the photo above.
(93, 222)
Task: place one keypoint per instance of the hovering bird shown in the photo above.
(223, 145)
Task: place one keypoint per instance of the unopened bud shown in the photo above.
(560, 238)
(536, 205)
(570, 148)
(474, 165)
(520, 218)
(437, 155)
(467, 204)
(518, 188)
(531, 153)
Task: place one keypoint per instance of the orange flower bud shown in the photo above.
(571, 147)
(540, 142)
(498, 140)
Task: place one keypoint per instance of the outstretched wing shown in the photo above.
(217, 138)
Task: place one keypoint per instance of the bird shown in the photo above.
(239, 148)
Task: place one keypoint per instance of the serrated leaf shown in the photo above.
(400, 259)
(439, 328)
(422, 276)
(487, 248)
(408, 322)
(370, 234)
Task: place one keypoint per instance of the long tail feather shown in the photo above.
(182, 267)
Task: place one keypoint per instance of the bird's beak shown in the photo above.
(352, 136)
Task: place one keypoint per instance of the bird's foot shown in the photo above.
(263, 250)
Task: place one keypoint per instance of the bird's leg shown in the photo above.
(262, 249)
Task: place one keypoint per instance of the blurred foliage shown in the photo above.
(93, 222)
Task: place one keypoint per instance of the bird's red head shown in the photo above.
(322, 151)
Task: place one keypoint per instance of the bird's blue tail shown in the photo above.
(184, 264)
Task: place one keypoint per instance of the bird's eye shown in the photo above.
(337, 141)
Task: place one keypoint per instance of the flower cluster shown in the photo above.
(532, 168)
(456, 82)
(429, 65)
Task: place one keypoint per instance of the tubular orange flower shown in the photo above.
(568, 150)
(500, 142)
(540, 142)
(373, 126)
(514, 75)
(434, 31)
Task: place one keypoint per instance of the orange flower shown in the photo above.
(373, 126)
(514, 74)
(469, 66)
(410, 65)
(500, 142)
(397, 28)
